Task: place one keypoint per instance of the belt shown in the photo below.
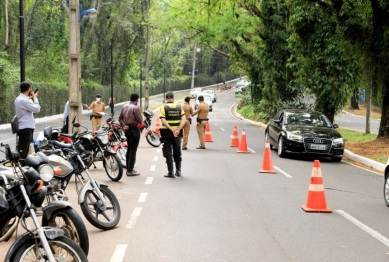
(135, 125)
(96, 116)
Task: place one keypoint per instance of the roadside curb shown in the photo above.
(378, 167)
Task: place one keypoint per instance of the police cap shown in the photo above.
(169, 94)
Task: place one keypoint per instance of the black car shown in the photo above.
(304, 131)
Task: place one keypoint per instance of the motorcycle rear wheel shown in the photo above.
(101, 217)
(153, 139)
(63, 249)
(71, 223)
(113, 167)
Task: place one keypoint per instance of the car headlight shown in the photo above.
(338, 140)
(294, 136)
(46, 172)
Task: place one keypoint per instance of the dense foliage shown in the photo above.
(291, 50)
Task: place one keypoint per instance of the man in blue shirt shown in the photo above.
(25, 109)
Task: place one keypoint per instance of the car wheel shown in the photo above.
(281, 150)
(336, 158)
(267, 138)
(386, 190)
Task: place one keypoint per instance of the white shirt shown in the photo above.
(24, 109)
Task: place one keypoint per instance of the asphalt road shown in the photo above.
(224, 210)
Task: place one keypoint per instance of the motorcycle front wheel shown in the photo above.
(153, 139)
(71, 223)
(62, 248)
(103, 217)
(121, 152)
(113, 167)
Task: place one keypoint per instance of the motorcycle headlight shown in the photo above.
(46, 172)
(338, 140)
(294, 136)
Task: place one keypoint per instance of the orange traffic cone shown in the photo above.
(267, 164)
(208, 135)
(158, 126)
(235, 139)
(243, 144)
(316, 201)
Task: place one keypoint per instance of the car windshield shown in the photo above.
(307, 119)
(195, 90)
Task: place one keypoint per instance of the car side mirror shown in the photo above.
(277, 121)
(335, 126)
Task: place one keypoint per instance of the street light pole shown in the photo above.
(22, 50)
(112, 103)
(164, 82)
(140, 82)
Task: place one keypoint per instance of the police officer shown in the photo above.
(188, 113)
(202, 120)
(173, 120)
(98, 108)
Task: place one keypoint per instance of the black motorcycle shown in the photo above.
(98, 203)
(20, 196)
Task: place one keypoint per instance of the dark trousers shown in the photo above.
(133, 137)
(171, 147)
(25, 138)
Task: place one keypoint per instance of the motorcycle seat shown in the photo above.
(61, 145)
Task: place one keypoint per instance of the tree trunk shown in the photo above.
(384, 124)
(354, 101)
(6, 23)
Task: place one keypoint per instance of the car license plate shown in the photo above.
(318, 147)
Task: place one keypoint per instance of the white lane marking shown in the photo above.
(364, 227)
(142, 198)
(252, 151)
(152, 167)
(215, 124)
(9, 140)
(282, 172)
(155, 158)
(158, 150)
(149, 180)
(119, 253)
(222, 129)
(134, 216)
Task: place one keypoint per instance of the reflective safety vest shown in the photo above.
(172, 113)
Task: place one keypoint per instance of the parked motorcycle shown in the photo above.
(98, 203)
(117, 140)
(152, 137)
(58, 214)
(20, 196)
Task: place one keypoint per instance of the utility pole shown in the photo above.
(193, 65)
(74, 63)
(112, 103)
(147, 66)
(22, 49)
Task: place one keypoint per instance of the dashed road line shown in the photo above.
(152, 167)
(282, 172)
(142, 198)
(222, 129)
(364, 227)
(252, 151)
(155, 158)
(118, 254)
(158, 150)
(149, 180)
(134, 217)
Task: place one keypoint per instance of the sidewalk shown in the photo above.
(366, 162)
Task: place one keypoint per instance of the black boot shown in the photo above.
(178, 169)
(170, 169)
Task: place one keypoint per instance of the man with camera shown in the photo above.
(26, 104)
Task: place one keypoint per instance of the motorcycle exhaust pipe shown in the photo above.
(10, 231)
